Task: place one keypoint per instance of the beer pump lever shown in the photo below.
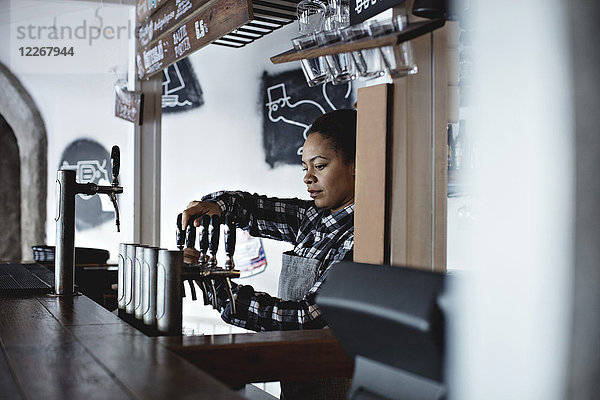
(203, 259)
(214, 233)
(186, 239)
(229, 234)
(179, 234)
(206, 272)
(67, 188)
(203, 239)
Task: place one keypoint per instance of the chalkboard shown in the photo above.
(91, 161)
(290, 107)
(181, 89)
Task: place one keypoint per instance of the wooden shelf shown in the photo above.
(414, 30)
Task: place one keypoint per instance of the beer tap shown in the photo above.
(203, 245)
(179, 235)
(186, 240)
(203, 239)
(229, 234)
(213, 270)
(214, 232)
(67, 189)
(115, 166)
(190, 233)
(206, 272)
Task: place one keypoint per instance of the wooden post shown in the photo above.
(418, 165)
(370, 216)
(401, 175)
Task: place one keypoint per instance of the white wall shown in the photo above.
(74, 94)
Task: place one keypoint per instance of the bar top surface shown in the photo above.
(72, 348)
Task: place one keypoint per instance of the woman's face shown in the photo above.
(329, 179)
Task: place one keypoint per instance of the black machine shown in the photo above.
(390, 321)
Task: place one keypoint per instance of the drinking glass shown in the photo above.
(398, 60)
(338, 14)
(341, 66)
(315, 69)
(368, 62)
(311, 16)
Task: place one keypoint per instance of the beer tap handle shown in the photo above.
(190, 233)
(192, 289)
(203, 238)
(214, 233)
(230, 293)
(229, 234)
(115, 163)
(179, 235)
(204, 289)
(214, 294)
(113, 199)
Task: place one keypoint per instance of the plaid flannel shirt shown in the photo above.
(311, 230)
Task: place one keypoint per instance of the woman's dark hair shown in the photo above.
(339, 127)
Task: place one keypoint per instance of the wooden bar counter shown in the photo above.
(72, 348)
(243, 358)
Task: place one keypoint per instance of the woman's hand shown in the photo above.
(198, 208)
(191, 256)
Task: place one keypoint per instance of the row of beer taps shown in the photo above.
(205, 272)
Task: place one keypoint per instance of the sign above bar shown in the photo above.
(145, 8)
(168, 16)
(361, 10)
(206, 24)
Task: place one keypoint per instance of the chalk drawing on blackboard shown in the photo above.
(170, 98)
(181, 90)
(289, 108)
(278, 99)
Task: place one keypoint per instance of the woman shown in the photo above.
(321, 229)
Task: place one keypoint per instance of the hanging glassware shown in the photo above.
(311, 16)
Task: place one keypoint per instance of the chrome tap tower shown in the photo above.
(66, 189)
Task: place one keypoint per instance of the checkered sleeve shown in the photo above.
(258, 311)
(263, 216)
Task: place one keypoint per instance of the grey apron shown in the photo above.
(298, 275)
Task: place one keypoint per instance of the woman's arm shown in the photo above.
(262, 216)
(258, 311)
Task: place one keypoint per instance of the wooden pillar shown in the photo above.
(419, 161)
(401, 178)
(371, 201)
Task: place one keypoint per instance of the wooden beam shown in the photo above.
(146, 8)
(204, 27)
(371, 175)
(168, 16)
(419, 170)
